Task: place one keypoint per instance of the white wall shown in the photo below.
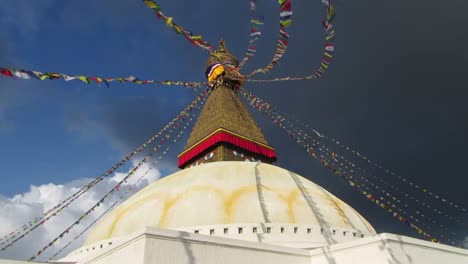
(191, 251)
(151, 246)
(168, 246)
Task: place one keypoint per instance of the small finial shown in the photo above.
(222, 46)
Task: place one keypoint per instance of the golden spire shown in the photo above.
(225, 130)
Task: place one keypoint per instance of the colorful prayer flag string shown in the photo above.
(286, 13)
(392, 204)
(67, 201)
(332, 157)
(320, 136)
(116, 188)
(27, 75)
(82, 217)
(329, 49)
(407, 181)
(64, 204)
(351, 169)
(341, 163)
(100, 216)
(84, 231)
(255, 34)
(264, 107)
(133, 186)
(352, 166)
(194, 39)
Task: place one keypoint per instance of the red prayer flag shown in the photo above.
(286, 6)
(6, 72)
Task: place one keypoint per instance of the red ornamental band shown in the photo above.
(222, 135)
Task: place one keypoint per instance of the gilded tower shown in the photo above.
(225, 129)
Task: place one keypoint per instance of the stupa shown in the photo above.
(230, 204)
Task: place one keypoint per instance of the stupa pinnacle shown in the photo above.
(225, 130)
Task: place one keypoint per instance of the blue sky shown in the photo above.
(50, 119)
(392, 91)
(68, 122)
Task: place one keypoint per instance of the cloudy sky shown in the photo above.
(395, 91)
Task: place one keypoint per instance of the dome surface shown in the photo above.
(229, 193)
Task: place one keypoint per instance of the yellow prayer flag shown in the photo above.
(150, 4)
(327, 54)
(169, 21)
(286, 23)
(83, 79)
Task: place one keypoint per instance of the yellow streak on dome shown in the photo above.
(291, 200)
(235, 196)
(124, 210)
(169, 204)
(232, 199)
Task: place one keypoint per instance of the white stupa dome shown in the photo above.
(226, 198)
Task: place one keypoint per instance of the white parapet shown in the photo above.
(160, 246)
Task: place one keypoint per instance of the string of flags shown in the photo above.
(101, 201)
(286, 13)
(84, 231)
(265, 107)
(82, 217)
(334, 160)
(405, 180)
(328, 52)
(194, 39)
(117, 187)
(353, 167)
(27, 75)
(410, 197)
(285, 21)
(419, 211)
(99, 217)
(340, 162)
(181, 116)
(427, 219)
(121, 198)
(32, 225)
(420, 203)
(389, 202)
(255, 33)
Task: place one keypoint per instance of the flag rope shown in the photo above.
(11, 240)
(194, 39)
(256, 22)
(328, 52)
(263, 107)
(28, 74)
(60, 236)
(285, 8)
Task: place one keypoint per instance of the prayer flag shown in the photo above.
(22, 75)
(6, 72)
(68, 77)
(83, 79)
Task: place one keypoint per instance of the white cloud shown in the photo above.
(21, 208)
